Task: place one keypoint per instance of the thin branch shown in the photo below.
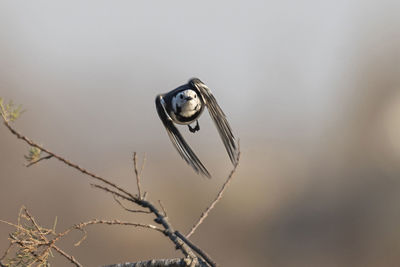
(138, 173)
(69, 257)
(35, 224)
(81, 226)
(127, 209)
(117, 222)
(36, 161)
(77, 244)
(163, 209)
(19, 227)
(6, 252)
(217, 199)
(196, 249)
(115, 193)
(69, 163)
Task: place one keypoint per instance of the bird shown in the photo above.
(184, 105)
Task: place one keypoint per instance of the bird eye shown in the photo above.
(195, 96)
(181, 96)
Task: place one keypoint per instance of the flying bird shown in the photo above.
(184, 105)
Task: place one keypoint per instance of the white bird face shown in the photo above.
(186, 103)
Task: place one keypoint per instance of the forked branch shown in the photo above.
(181, 242)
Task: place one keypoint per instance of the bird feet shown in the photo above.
(196, 128)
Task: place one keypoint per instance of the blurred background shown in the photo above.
(311, 88)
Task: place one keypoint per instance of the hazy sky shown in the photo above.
(311, 88)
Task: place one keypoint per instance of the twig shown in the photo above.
(82, 239)
(35, 224)
(69, 163)
(138, 173)
(127, 209)
(6, 252)
(16, 226)
(160, 219)
(163, 209)
(69, 257)
(218, 198)
(117, 222)
(196, 249)
(81, 226)
(134, 199)
(36, 161)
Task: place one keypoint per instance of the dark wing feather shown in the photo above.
(219, 119)
(177, 140)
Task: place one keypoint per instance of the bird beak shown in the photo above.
(188, 98)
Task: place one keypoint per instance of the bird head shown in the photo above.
(186, 103)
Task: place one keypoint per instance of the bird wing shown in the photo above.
(178, 141)
(219, 118)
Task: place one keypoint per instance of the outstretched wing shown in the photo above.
(219, 119)
(177, 140)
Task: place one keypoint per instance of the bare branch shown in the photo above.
(117, 222)
(218, 198)
(127, 209)
(160, 219)
(35, 224)
(77, 244)
(196, 249)
(6, 252)
(115, 193)
(69, 257)
(16, 226)
(81, 226)
(69, 163)
(163, 209)
(137, 172)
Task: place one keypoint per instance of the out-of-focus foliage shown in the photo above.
(34, 154)
(29, 242)
(10, 111)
